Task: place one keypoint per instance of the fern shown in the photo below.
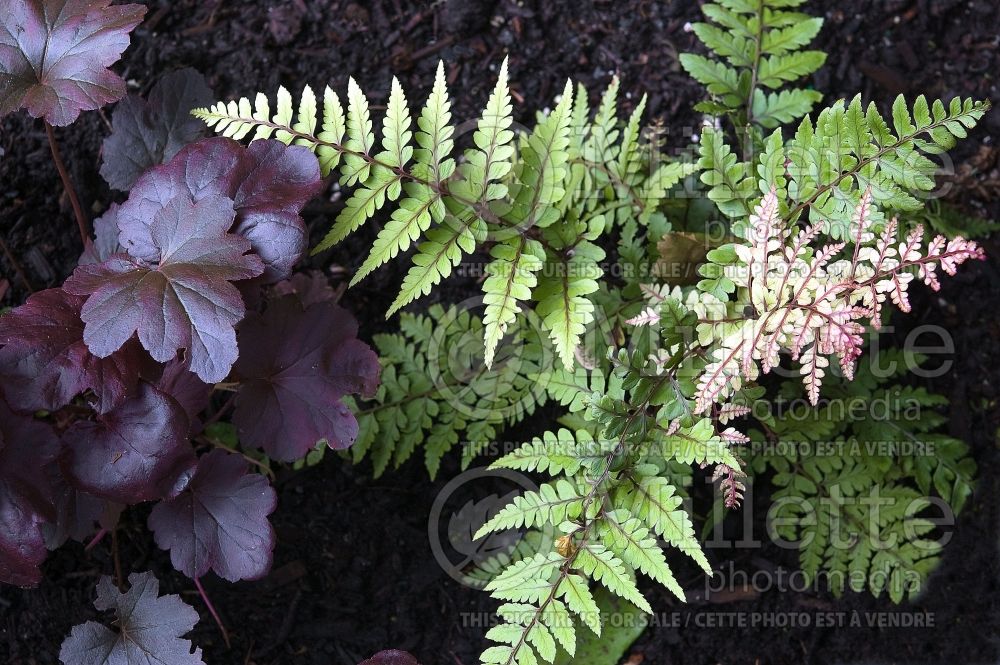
(537, 200)
(652, 379)
(611, 501)
(826, 166)
(435, 395)
(758, 51)
(745, 314)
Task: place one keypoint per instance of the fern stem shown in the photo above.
(588, 501)
(746, 142)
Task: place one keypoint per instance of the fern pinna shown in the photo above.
(758, 46)
(863, 479)
(524, 195)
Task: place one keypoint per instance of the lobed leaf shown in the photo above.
(219, 522)
(290, 393)
(55, 54)
(147, 132)
(45, 364)
(148, 628)
(136, 452)
(268, 183)
(174, 290)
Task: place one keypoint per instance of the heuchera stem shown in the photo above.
(211, 610)
(81, 219)
(97, 538)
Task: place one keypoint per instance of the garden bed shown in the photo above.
(353, 569)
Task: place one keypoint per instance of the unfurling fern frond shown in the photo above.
(757, 47)
(537, 199)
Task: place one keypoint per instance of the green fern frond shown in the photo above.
(855, 510)
(560, 295)
(849, 148)
(531, 196)
(756, 45)
(421, 405)
(510, 278)
(411, 219)
(827, 165)
(655, 502)
(609, 500)
(333, 129)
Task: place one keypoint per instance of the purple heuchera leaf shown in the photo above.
(137, 452)
(147, 132)
(295, 365)
(27, 450)
(310, 288)
(193, 394)
(45, 363)
(148, 628)
(268, 182)
(105, 244)
(219, 521)
(391, 657)
(54, 55)
(78, 515)
(177, 293)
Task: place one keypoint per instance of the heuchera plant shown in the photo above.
(148, 623)
(186, 291)
(124, 358)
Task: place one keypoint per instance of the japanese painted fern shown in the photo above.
(538, 199)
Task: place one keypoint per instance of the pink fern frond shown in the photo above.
(647, 317)
(732, 411)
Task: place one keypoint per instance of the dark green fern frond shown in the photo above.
(757, 46)
(855, 477)
(436, 395)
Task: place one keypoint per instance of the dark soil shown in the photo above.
(353, 569)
